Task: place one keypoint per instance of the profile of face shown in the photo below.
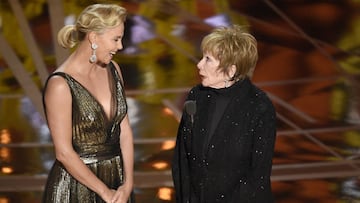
(109, 43)
(209, 72)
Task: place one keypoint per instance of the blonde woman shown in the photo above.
(86, 112)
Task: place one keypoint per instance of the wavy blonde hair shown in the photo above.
(232, 46)
(94, 18)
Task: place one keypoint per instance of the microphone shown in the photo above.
(190, 108)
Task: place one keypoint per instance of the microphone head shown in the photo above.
(190, 107)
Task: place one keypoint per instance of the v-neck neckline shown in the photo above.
(108, 117)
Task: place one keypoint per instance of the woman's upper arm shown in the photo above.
(58, 104)
(125, 127)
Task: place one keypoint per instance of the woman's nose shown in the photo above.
(199, 64)
(120, 46)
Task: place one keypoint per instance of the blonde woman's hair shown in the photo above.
(232, 46)
(94, 18)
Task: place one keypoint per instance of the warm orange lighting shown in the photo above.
(4, 153)
(6, 170)
(168, 111)
(160, 165)
(5, 136)
(4, 200)
(168, 145)
(164, 193)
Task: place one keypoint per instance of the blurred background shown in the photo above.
(309, 65)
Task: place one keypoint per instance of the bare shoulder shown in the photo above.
(117, 67)
(57, 85)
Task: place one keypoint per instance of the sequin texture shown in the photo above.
(235, 165)
(96, 140)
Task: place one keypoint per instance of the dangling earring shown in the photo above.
(93, 55)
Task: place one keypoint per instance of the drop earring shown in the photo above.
(93, 55)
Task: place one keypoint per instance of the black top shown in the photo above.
(220, 99)
(225, 155)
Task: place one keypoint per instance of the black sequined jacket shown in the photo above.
(234, 166)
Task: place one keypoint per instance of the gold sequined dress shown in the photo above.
(95, 138)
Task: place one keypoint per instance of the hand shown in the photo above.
(109, 194)
(120, 196)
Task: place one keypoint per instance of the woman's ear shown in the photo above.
(92, 37)
(232, 71)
